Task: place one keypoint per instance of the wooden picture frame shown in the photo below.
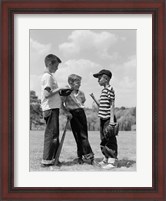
(12, 7)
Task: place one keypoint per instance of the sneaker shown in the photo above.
(110, 163)
(111, 160)
(92, 162)
(104, 161)
(58, 163)
(46, 165)
(80, 161)
(108, 166)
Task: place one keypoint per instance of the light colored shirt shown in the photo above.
(49, 81)
(74, 101)
(106, 98)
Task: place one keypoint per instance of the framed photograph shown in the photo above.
(126, 38)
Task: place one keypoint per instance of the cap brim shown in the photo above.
(96, 75)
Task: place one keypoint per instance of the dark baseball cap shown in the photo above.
(104, 71)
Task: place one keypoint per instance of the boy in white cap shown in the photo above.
(108, 145)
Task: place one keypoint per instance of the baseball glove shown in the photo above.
(110, 130)
(65, 92)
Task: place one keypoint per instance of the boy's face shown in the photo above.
(76, 84)
(53, 66)
(102, 80)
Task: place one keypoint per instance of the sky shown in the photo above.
(85, 52)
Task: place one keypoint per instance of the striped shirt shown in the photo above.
(106, 98)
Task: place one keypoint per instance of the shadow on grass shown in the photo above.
(125, 162)
(118, 163)
(69, 163)
(74, 162)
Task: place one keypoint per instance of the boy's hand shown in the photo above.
(92, 95)
(69, 116)
(111, 130)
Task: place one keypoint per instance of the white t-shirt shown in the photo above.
(48, 80)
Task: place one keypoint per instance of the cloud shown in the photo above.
(35, 84)
(124, 81)
(86, 40)
(81, 67)
(130, 68)
(39, 48)
(131, 62)
(126, 68)
(38, 51)
(126, 84)
(69, 49)
(105, 55)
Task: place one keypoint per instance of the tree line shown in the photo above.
(126, 117)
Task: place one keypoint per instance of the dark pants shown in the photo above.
(51, 136)
(80, 132)
(109, 147)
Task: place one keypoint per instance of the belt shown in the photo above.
(77, 110)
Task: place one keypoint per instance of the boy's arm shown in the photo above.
(68, 114)
(112, 100)
(83, 98)
(48, 92)
(112, 113)
(48, 82)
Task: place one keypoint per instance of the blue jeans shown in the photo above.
(109, 147)
(80, 131)
(51, 136)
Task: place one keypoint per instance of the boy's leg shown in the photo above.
(108, 147)
(103, 140)
(111, 147)
(75, 131)
(111, 152)
(83, 135)
(51, 137)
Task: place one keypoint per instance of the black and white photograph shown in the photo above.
(83, 100)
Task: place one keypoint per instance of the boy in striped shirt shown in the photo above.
(108, 146)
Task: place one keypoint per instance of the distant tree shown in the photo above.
(35, 110)
(94, 107)
(126, 118)
(133, 111)
(92, 119)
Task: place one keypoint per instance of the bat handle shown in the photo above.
(94, 99)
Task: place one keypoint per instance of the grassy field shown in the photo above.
(126, 153)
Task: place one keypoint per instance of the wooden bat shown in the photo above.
(111, 110)
(93, 97)
(61, 144)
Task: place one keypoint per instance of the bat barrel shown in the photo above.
(60, 145)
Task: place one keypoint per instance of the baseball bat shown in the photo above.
(61, 144)
(93, 97)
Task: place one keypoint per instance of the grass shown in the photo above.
(126, 152)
